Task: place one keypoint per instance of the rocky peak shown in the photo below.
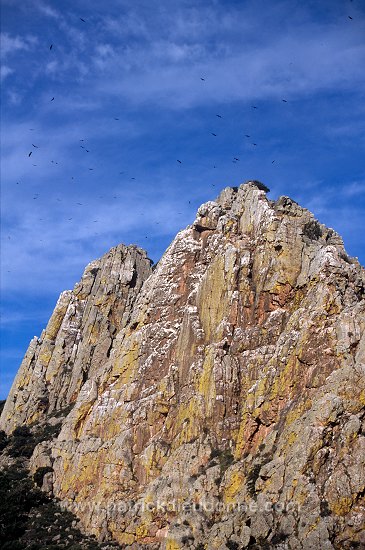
(78, 338)
(229, 380)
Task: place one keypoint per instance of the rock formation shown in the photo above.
(215, 400)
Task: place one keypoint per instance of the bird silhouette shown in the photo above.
(219, 116)
(83, 20)
(52, 99)
(179, 161)
(36, 146)
(30, 153)
(215, 135)
(202, 78)
(285, 101)
(247, 136)
(51, 46)
(253, 106)
(349, 16)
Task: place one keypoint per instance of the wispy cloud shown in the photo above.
(354, 189)
(5, 71)
(47, 10)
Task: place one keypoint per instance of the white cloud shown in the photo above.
(165, 64)
(354, 189)
(5, 71)
(47, 10)
(11, 44)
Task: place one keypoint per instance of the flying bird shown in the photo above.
(349, 16)
(83, 20)
(235, 158)
(30, 153)
(52, 99)
(219, 116)
(202, 78)
(272, 162)
(285, 101)
(179, 161)
(116, 118)
(214, 134)
(247, 136)
(253, 106)
(51, 46)
(36, 146)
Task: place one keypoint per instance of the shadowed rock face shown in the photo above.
(218, 401)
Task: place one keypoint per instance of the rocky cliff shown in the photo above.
(217, 400)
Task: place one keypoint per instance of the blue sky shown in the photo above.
(129, 102)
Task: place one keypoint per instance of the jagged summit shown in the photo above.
(217, 400)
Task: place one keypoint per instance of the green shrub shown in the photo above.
(22, 442)
(3, 440)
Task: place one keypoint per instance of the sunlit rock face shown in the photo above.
(218, 400)
(79, 336)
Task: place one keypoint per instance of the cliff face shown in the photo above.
(79, 336)
(218, 401)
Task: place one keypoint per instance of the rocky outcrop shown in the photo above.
(79, 336)
(228, 408)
